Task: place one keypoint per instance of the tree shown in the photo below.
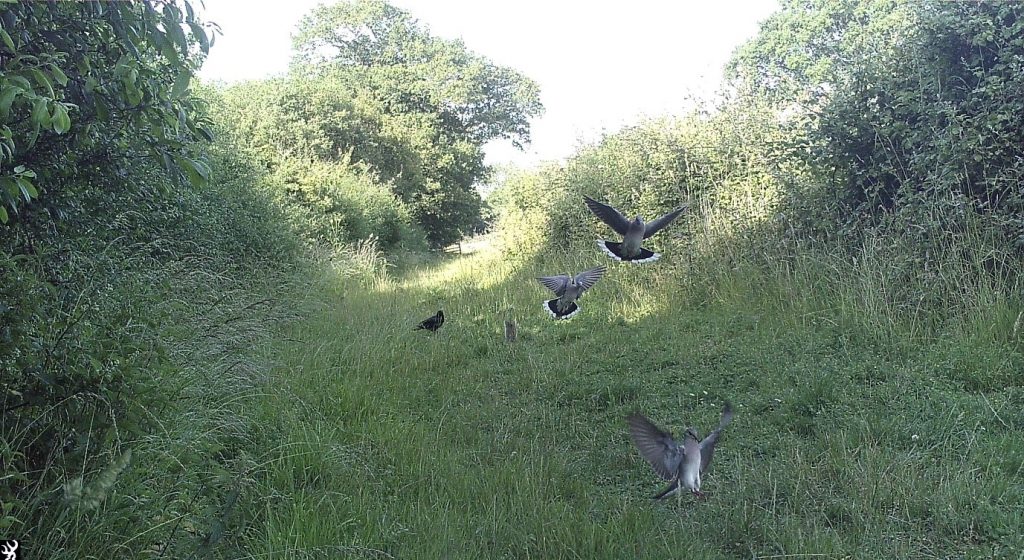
(425, 94)
(90, 83)
(903, 102)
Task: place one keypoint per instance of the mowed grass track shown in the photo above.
(384, 442)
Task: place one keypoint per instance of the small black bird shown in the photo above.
(433, 323)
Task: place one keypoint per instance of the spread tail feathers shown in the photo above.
(551, 306)
(614, 250)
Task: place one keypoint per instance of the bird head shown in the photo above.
(638, 221)
(440, 313)
(691, 434)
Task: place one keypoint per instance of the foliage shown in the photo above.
(96, 84)
(123, 328)
(726, 160)
(293, 133)
(416, 108)
(903, 103)
(336, 204)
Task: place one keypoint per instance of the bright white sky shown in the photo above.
(598, 67)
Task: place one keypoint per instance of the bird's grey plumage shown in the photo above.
(569, 289)
(633, 232)
(680, 464)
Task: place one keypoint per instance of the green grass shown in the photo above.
(849, 440)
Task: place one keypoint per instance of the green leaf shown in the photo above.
(60, 119)
(40, 113)
(6, 38)
(172, 23)
(7, 99)
(200, 34)
(181, 84)
(58, 75)
(205, 133)
(28, 190)
(33, 136)
(42, 80)
(171, 54)
(198, 173)
(102, 111)
(83, 63)
(21, 81)
(3, 215)
(10, 189)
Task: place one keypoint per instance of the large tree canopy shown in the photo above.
(436, 103)
(88, 83)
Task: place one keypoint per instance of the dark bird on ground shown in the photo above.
(633, 233)
(680, 464)
(569, 289)
(433, 323)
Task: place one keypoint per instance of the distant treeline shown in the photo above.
(379, 127)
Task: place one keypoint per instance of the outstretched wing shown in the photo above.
(655, 225)
(588, 278)
(556, 284)
(655, 445)
(707, 445)
(608, 215)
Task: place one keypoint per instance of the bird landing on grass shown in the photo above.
(683, 464)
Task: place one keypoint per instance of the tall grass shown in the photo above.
(861, 431)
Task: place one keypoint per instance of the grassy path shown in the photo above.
(390, 443)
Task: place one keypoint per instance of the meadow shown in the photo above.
(208, 295)
(847, 442)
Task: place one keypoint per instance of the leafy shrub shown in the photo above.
(900, 103)
(337, 204)
(86, 84)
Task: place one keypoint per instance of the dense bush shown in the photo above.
(96, 85)
(338, 204)
(401, 107)
(902, 104)
(725, 161)
(125, 289)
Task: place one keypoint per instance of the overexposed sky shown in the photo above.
(599, 65)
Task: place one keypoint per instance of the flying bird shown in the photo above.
(569, 289)
(633, 233)
(433, 323)
(680, 464)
